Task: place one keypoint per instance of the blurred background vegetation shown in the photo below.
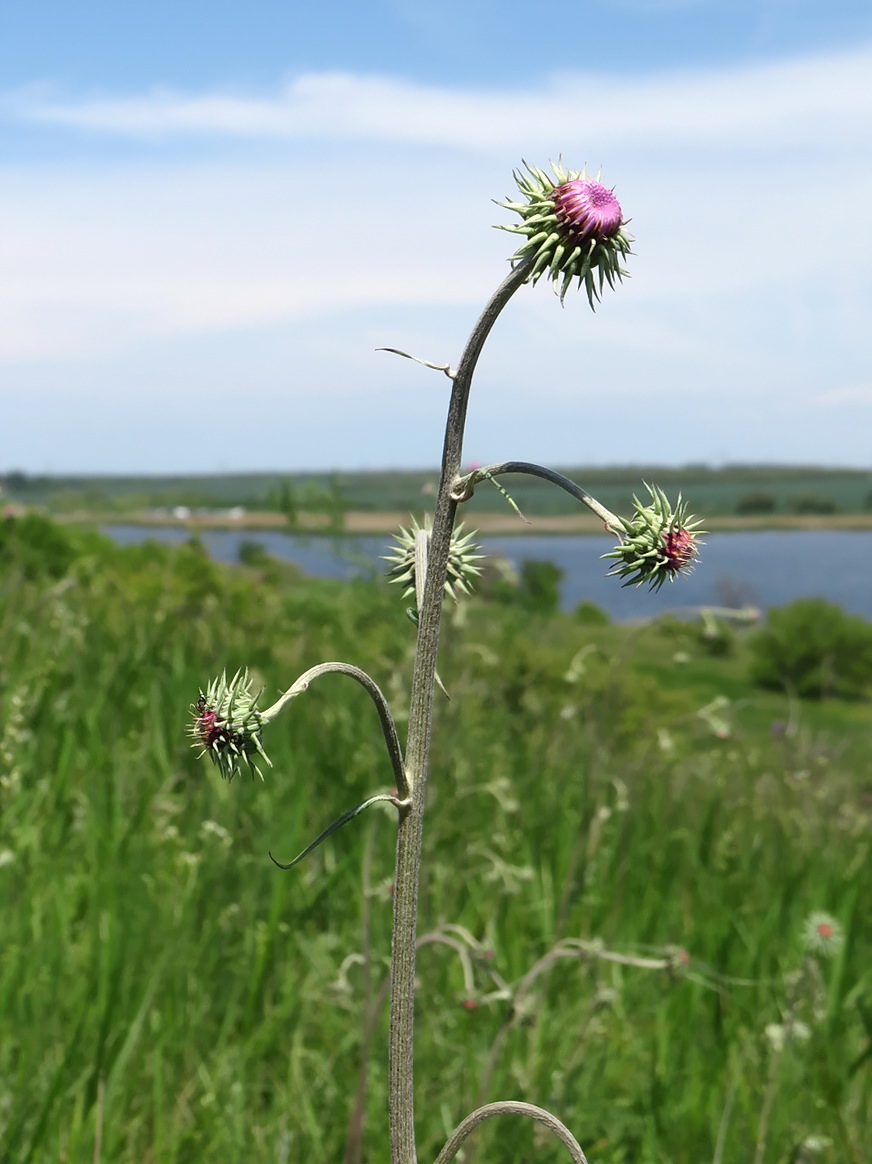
(743, 490)
(664, 805)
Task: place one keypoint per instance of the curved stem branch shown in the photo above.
(465, 487)
(510, 1107)
(388, 726)
(460, 950)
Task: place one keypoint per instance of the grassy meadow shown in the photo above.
(624, 841)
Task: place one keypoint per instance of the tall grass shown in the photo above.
(168, 995)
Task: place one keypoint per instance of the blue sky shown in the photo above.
(211, 214)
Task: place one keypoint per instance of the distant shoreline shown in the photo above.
(507, 524)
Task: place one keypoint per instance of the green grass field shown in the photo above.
(617, 798)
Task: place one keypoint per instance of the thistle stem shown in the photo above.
(408, 866)
(511, 1107)
(386, 720)
(464, 488)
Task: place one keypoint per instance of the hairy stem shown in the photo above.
(510, 1107)
(465, 487)
(402, 1007)
(354, 1139)
(386, 720)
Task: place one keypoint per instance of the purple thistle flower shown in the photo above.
(679, 546)
(587, 210)
(573, 227)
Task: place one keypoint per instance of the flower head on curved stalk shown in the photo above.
(657, 543)
(574, 229)
(227, 725)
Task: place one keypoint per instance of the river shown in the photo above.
(761, 568)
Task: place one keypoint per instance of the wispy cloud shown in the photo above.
(851, 394)
(793, 99)
(363, 205)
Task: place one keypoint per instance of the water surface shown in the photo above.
(763, 568)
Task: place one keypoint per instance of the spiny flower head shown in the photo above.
(822, 934)
(574, 229)
(462, 558)
(227, 725)
(657, 543)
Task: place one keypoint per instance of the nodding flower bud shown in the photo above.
(227, 725)
(573, 227)
(462, 558)
(657, 543)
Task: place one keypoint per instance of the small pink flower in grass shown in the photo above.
(469, 1004)
(822, 934)
(677, 961)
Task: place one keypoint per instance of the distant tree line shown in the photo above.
(742, 489)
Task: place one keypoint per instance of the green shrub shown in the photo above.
(539, 588)
(813, 649)
(590, 614)
(252, 553)
(714, 636)
(811, 503)
(675, 629)
(756, 502)
(35, 546)
(534, 588)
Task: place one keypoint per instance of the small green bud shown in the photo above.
(462, 558)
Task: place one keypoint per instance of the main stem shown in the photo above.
(402, 1009)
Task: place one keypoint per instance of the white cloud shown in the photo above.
(851, 394)
(154, 276)
(98, 257)
(828, 94)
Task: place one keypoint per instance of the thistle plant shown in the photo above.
(572, 230)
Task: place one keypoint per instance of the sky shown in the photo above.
(212, 214)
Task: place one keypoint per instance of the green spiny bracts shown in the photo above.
(227, 725)
(462, 558)
(574, 229)
(657, 542)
